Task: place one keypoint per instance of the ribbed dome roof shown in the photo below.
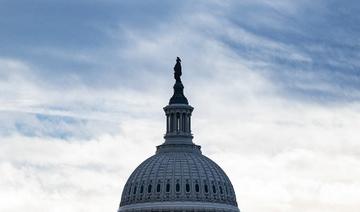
(178, 176)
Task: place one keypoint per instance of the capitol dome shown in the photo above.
(178, 177)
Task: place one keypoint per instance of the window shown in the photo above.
(197, 189)
(221, 190)
(129, 190)
(187, 187)
(172, 127)
(134, 192)
(149, 188)
(206, 189)
(168, 187)
(158, 187)
(177, 187)
(214, 189)
(141, 189)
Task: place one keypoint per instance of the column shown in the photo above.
(189, 123)
(167, 123)
(180, 122)
(177, 122)
(172, 122)
(184, 122)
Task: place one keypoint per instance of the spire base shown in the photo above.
(163, 148)
(178, 96)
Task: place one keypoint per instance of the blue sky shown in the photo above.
(83, 84)
(317, 39)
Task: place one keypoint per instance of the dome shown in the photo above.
(178, 177)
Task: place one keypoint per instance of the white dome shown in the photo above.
(178, 176)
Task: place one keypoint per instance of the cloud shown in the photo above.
(274, 106)
(284, 40)
(53, 175)
(50, 174)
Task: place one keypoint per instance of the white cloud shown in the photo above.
(40, 174)
(280, 155)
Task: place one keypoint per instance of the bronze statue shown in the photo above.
(177, 70)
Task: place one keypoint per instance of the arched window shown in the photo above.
(158, 187)
(177, 187)
(214, 189)
(206, 189)
(134, 192)
(168, 187)
(149, 188)
(187, 187)
(197, 189)
(221, 190)
(141, 189)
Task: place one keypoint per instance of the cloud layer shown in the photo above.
(275, 88)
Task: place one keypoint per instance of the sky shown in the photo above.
(275, 86)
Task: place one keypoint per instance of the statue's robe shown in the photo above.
(177, 71)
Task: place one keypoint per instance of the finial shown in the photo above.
(177, 70)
